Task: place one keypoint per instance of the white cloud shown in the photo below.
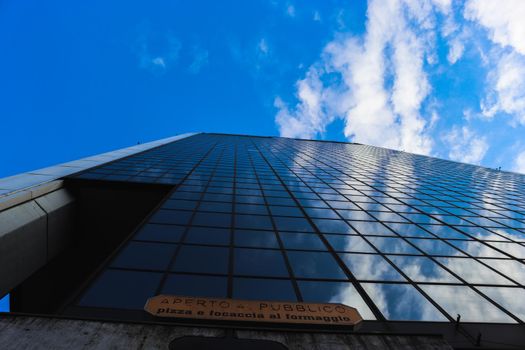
(317, 16)
(456, 50)
(307, 118)
(519, 163)
(465, 145)
(505, 20)
(263, 46)
(399, 37)
(160, 59)
(506, 88)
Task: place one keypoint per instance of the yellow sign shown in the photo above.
(252, 311)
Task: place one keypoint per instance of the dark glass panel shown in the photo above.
(202, 259)
(196, 286)
(119, 289)
(263, 289)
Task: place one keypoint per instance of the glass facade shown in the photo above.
(396, 235)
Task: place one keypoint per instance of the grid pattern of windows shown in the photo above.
(398, 236)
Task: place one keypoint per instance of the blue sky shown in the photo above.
(434, 77)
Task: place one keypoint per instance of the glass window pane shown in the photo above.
(435, 247)
(258, 262)
(514, 249)
(391, 245)
(257, 239)
(253, 221)
(263, 289)
(409, 230)
(332, 226)
(202, 259)
(196, 286)
(315, 265)
(423, 269)
(251, 209)
(215, 207)
(208, 235)
(356, 215)
(305, 241)
(511, 268)
(370, 267)
(119, 289)
(472, 271)
(321, 213)
(144, 255)
(477, 249)
(335, 292)
(371, 228)
(464, 301)
(286, 211)
(349, 243)
(402, 302)
(292, 224)
(212, 219)
(173, 217)
(510, 298)
(179, 204)
(160, 233)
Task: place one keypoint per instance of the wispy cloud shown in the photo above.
(506, 88)
(519, 163)
(200, 59)
(505, 24)
(290, 10)
(160, 56)
(465, 145)
(317, 16)
(263, 46)
(503, 19)
(382, 83)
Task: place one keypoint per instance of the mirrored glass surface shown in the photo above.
(472, 271)
(335, 292)
(435, 247)
(370, 267)
(306, 241)
(258, 262)
(391, 245)
(511, 268)
(510, 298)
(145, 256)
(257, 239)
(315, 265)
(196, 285)
(462, 300)
(120, 289)
(348, 243)
(422, 269)
(202, 259)
(263, 289)
(477, 249)
(402, 302)
(160, 233)
(371, 228)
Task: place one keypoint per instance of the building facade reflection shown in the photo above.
(399, 236)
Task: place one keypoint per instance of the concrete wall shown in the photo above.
(31, 234)
(21, 332)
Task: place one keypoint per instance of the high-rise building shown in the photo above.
(430, 252)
